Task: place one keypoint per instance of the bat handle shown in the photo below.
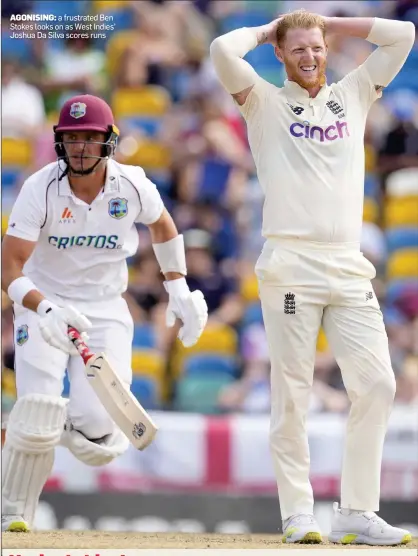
(77, 340)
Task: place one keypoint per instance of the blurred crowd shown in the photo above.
(178, 123)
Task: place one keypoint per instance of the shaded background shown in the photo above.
(184, 130)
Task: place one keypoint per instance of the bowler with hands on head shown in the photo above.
(307, 140)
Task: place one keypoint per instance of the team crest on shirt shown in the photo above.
(118, 208)
(22, 334)
(78, 109)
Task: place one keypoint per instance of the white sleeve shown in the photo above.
(152, 205)
(28, 213)
(395, 40)
(226, 53)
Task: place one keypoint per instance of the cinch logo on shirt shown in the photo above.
(339, 130)
(98, 242)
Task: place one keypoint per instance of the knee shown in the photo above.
(385, 389)
(36, 423)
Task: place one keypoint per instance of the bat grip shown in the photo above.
(82, 348)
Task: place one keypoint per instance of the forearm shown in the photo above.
(349, 26)
(394, 39)
(13, 271)
(227, 53)
(168, 247)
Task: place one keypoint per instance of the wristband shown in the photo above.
(171, 256)
(177, 287)
(19, 288)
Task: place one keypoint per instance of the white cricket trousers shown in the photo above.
(40, 368)
(304, 285)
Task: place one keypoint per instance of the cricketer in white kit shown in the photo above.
(64, 263)
(307, 142)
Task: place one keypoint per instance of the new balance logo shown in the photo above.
(369, 295)
(66, 213)
(295, 109)
(289, 304)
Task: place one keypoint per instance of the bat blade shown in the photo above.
(120, 403)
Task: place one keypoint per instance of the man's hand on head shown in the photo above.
(267, 33)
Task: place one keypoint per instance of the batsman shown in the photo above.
(307, 140)
(64, 264)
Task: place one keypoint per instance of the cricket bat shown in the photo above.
(117, 399)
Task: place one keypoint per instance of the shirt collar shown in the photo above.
(111, 185)
(299, 93)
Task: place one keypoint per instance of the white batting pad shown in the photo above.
(94, 453)
(34, 429)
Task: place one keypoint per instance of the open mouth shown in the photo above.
(308, 69)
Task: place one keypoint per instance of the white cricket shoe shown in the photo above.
(14, 524)
(301, 528)
(365, 528)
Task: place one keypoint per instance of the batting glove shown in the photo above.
(54, 324)
(189, 307)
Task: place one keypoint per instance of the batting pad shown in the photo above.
(34, 429)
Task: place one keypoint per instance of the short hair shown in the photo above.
(298, 19)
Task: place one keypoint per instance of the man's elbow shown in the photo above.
(409, 33)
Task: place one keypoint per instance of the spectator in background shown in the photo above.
(221, 293)
(77, 68)
(146, 290)
(22, 109)
(400, 145)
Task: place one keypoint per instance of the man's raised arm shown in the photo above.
(394, 39)
(227, 52)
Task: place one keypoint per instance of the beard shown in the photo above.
(318, 78)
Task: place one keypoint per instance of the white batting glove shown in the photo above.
(54, 324)
(189, 307)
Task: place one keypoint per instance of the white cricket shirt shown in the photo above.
(81, 249)
(309, 155)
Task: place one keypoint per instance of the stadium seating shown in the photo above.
(148, 362)
(396, 288)
(144, 337)
(145, 389)
(370, 210)
(252, 314)
(220, 339)
(249, 288)
(150, 100)
(402, 238)
(401, 211)
(403, 264)
(199, 393)
(208, 364)
(116, 46)
(16, 153)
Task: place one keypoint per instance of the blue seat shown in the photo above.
(9, 176)
(16, 49)
(209, 364)
(145, 390)
(244, 19)
(214, 178)
(402, 238)
(396, 288)
(149, 126)
(253, 314)
(263, 58)
(144, 337)
(371, 186)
